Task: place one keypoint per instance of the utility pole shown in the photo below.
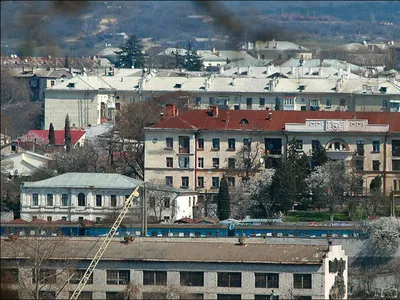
(144, 212)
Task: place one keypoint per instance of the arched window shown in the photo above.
(337, 145)
(81, 199)
(244, 121)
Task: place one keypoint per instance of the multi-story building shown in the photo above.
(96, 196)
(94, 100)
(178, 268)
(194, 149)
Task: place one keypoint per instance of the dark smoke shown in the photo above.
(226, 19)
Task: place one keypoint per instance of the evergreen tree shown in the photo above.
(375, 185)
(283, 187)
(193, 62)
(319, 156)
(52, 137)
(67, 135)
(66, 62)
(223, 204)
(131, 54)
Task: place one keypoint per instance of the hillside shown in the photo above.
(83, 28)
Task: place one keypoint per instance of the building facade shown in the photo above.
(202, 269)
(195, 149)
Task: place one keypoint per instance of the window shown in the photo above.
(192, 296)
(215, 182)
(184, 162)
(200, 143)
(113, 200)
(192, 278)
(77, 276)
(83, 295)
(359, 164)
(247, 143)
(247, 163)
(198, 101)
(395, 165)
(328, 102)
(170, 162)
(228, 297)
(376, 146)
(244, 121)
(211, 100)
(99, 200)
(342, 102)
(302, 297)
(117, 106)
(64, 218)
(302, 281)
(384, 104)
(395, 186)
(168, 181)
(315, 144)
(231, 163)
(169, 143)
(231, 144)
(360, 147)
(200, 162)
(266, 280)
(114, 295)
(375, 165)
(288, 101)
(231, 181)
(47, 295)
(45, 275)
(167, 202)
(131, 99)
(215, 144)
(64, 200)
(49, 219)
(49, 200)
(10, 275)
(249, 103)
(299, 144)
(200, 181)
(185, 182)
(215, 162)
(152, 202)
(266, 297)
(35, 199)
(154, 278)
(395, 147)
(314, 103)
(262, 101)
(184, 144)
(52, 83)
(154, 296)
(233, 279)
(121, 277)
(81, 199)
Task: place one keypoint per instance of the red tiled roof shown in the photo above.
(43, 136)
(38, 221)
(259, 120)
(87, 222)
(17, 221)
(61, 221)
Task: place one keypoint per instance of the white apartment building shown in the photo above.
(179, 268)
(193, 150)
(95, 99)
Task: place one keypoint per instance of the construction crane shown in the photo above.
(106, 242)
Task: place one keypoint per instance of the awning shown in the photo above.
(394, 101)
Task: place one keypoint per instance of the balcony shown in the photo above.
(273, 152)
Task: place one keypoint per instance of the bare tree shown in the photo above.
(160, 199)
(32, 265)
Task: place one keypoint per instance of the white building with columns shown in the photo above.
(75, 196)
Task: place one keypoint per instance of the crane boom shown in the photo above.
(104, 245)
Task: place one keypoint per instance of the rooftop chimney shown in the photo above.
(214, 111)
(171, 111)
(234, 81)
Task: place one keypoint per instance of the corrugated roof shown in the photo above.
(180, 251)
(259, 119)
(87, 180)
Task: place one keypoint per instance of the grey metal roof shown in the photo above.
(86, 180)
(179, 250)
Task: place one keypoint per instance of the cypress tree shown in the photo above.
(52, 137)
(223, 204)
(67, 134)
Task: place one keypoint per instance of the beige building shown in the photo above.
(193, 150)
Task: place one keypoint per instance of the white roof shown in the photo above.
(282, 45)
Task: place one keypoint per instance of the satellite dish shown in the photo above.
(262, 160)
